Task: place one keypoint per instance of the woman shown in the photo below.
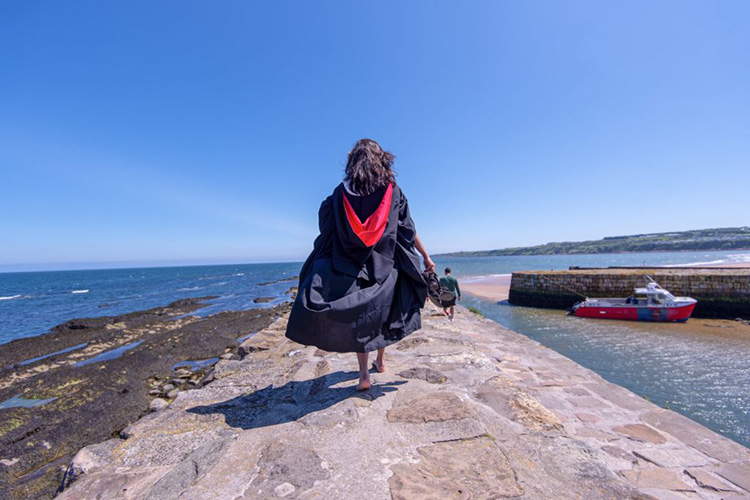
(362, 287)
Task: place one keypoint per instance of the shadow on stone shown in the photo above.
(291, 401)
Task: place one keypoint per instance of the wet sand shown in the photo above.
(496, 289)
(719, 328)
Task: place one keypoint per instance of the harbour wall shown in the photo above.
(721, 293)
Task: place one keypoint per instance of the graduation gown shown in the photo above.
(361, 288)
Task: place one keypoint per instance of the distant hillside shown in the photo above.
(729, 238)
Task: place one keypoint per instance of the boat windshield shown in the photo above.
(655, 293)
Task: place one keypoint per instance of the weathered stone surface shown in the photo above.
(667, 479)
(662, 494)
(435, 406)
(158, 404)
(588, 417)
(705, 479)
(532, 414)
(671, 458)
(473, 468)
(285, 469)
(567, 458)
(738, 474)
(424, 373)
(411, 342)
(89, 459)
(619, 396)
(696, 436)
(505, 398)
(619, 453)
(286, 421)
(577, 391)
(129, 484)
(588, 432)
(587, 402)
(261, 341)
(192, 468)
(342, 414)
(640, 432)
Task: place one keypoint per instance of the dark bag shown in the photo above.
(447, 298)
(438, 294)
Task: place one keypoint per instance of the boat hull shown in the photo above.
(637, 313)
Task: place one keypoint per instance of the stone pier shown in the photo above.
(721, 293)
(465, 410)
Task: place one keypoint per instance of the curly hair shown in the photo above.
(368, 167)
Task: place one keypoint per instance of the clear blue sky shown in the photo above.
(196, 132)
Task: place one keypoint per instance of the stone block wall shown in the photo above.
(721, 293)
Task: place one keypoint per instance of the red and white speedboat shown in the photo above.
(652, 303)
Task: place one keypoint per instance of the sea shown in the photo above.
(33, 302)
(705, 376)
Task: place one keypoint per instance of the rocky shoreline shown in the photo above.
(87, 379)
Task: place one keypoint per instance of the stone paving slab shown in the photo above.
(466, 409)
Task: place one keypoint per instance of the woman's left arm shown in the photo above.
(428, 263)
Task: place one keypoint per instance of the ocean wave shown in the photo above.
(190, 289)
(219, 276)
(80, 291)
(10, 297)
(739, 258)
(709, 263)
(693, 264)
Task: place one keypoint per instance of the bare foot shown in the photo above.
(363, 385)
(379, 367)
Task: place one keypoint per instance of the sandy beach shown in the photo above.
(494, 287)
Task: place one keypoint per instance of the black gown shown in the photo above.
(353, 297)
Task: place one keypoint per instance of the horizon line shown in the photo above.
(114, 266)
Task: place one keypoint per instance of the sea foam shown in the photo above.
(80, 291)
(10, 297)
(737, 258)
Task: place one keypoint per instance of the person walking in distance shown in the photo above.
(451, 284)
(361, 289)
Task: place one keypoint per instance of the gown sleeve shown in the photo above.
(324, 241)
(407, 232)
